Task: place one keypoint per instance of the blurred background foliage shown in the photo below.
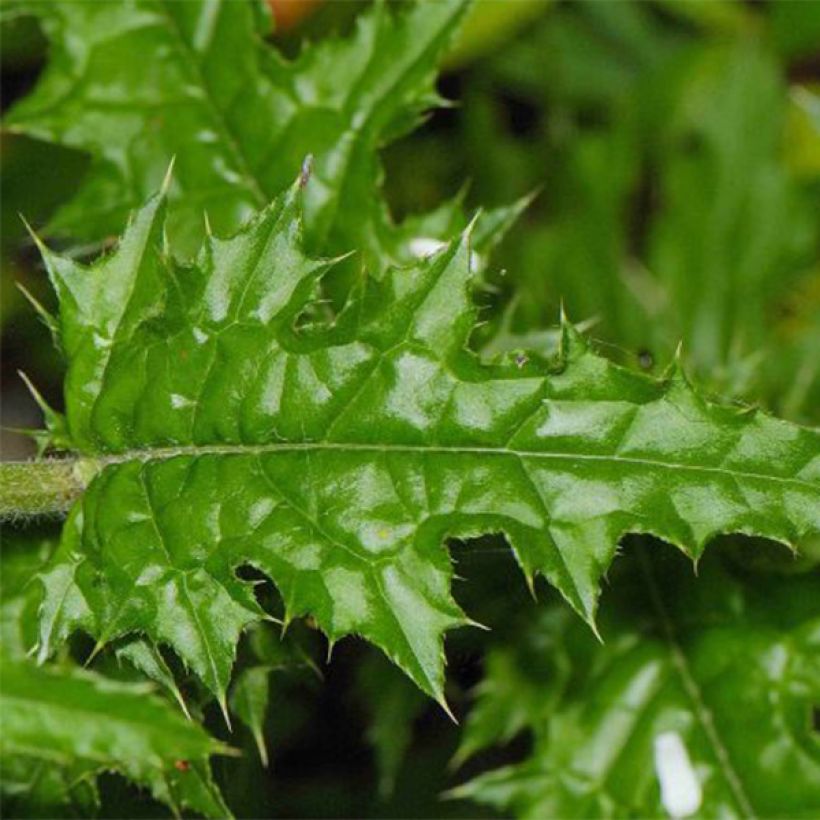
(675, 151)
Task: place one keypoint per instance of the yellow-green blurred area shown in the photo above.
(675, 149)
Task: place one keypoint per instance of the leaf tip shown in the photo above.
(223, 706)
(529, 579)
(442, 702)
(35, 237)
(98, 647)
(571, 342)
(49, 318)
(35, 393)
(476, 624)
(593, 625)
(305, 171)
(166, 180)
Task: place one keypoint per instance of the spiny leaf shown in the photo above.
(269, 657)
(65, 716)
(699, 704)
(147, 659)
(337, 459)
(62, 727)
(135, 84)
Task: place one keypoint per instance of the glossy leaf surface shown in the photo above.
(62, 727)
(139, 83)
(337, 459)
(64, 717)
(699, 703)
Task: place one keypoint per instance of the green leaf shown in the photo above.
(337, 458)
(268, 657)
(393, 704)
(658, 221)
(23, 555)
(147, 659)
(29, 786)
(37, 788)
(522, 685)
(50, 760)
(700, 703)
(249, 702)
(70, 718)
(137, 84)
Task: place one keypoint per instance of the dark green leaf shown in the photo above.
(699, 703)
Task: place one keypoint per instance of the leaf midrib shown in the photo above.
(694, 692)
(195, 450)
(230, 139)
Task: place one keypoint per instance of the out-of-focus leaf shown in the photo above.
(802, 149)
(249, 702)
(31, 787)
(62, 727)
(674, 207)
(393, 704)
(269, 658)
(796, 29)
(135, 85)
(732, 223)
(698, 704)
(23, 555)
(489, 26)
(77, 719)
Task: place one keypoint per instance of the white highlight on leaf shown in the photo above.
(178, 401)
(681, 794)
(423, 246)
(206, 136)
(101, 342)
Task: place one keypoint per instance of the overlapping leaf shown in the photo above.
(134, 84)
(699, 704)
(74, 719)
(63, 726)
(337, 459)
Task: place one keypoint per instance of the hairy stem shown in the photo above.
(31, 488)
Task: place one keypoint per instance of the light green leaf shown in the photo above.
(147, 659)
(73, 719)
(23, 555)
(337, 459)
(139, 83)
(249, 702)
(698, 704)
